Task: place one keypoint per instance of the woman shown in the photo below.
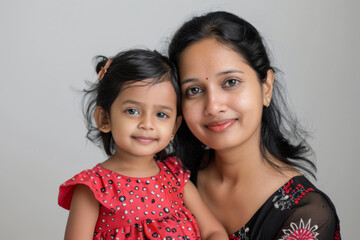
(245, 150)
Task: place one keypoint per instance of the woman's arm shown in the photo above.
(210, 228)
(84, 212)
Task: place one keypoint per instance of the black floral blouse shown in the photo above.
(296, 211)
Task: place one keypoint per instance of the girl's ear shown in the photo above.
(267, 86)
(102, 120)
(177, 124)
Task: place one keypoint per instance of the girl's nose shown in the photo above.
(146, 122)
(215, 102)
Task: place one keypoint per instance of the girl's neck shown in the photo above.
(132, 166)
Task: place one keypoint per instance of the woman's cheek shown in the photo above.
(191, 114)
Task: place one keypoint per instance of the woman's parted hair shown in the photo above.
(126, 67)
(281, 135)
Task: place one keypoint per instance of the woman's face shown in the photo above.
(222, 96)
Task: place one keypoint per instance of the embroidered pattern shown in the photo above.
(288, 195)
(301, 231)
(242, 234)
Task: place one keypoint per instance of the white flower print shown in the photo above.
(301, 231)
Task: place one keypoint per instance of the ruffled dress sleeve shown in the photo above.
(87, 177)
(174, 168)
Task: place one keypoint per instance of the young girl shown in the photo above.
(140, 192)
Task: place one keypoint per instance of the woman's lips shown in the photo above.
(220, 126)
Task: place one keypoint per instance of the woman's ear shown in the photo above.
(102, 119)
(267, 86)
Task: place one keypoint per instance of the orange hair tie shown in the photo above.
(104, 69)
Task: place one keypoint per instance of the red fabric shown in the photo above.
(137, 208)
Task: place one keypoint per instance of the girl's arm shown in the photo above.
(84, 212)
(210, 228)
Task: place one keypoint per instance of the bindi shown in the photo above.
(207, 78)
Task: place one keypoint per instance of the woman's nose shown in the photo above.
(215, 102)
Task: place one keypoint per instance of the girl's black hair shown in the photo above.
(281, 135)
(126, 67)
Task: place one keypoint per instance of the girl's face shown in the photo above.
(143, 118)
(222, 96)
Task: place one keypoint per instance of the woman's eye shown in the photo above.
(193, 91)
(231, 83)
(162, 115)
(132, 111)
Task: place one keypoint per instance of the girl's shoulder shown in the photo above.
(93, 178)
(173, 167)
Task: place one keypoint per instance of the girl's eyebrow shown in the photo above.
(129, 101)
(219, 74)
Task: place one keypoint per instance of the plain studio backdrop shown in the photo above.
(46, 51)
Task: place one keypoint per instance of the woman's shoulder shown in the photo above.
(299, 191)
(307, 208)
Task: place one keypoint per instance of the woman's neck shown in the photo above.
(236, 166)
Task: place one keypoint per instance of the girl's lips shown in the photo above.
(144, 140)
(220, 126)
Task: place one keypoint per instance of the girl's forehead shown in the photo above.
(146, 84)
(148, 96)
(146, 87)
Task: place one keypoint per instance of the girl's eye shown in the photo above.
(193, 91)
(132, 111)
(162, 115)
(231, 83)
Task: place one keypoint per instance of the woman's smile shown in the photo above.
(220, 126)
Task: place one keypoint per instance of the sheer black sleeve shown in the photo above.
(313, 218)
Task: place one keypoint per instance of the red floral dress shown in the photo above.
(297, 211)
(137, 208)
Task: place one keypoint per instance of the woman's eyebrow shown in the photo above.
(189, 80)
(229, 71)
(219, 74)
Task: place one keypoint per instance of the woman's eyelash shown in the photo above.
(192, 91)
(231, 82)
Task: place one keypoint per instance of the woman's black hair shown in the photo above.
(281, 135)
(126, 67)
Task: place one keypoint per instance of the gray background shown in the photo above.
(46, 51)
